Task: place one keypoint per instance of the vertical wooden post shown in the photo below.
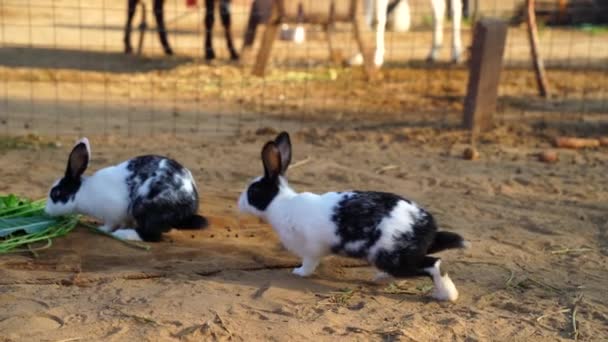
(475, 15)
(562, 8)
(334, 55)
(259, 13)
(486, 63)
(539, 66)
(270, 35)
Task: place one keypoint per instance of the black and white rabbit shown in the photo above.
(152, 192)
(392, 233)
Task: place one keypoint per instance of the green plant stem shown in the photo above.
(127, 242)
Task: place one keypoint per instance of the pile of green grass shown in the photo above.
(24, 223)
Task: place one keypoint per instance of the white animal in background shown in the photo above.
(400, 20)
(402, 23)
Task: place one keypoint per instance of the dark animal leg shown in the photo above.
(160, 25)
(226, 22)
(130, 13)
(252, 26)
(151, 226)
(148, 235)
(209, 20)
(259, 13)
(412, 265)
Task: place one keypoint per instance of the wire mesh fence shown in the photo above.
(64, 71)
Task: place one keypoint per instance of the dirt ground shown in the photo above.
(63, 70)
(537, 269)
(538, 266)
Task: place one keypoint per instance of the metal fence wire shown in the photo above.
(64, 70)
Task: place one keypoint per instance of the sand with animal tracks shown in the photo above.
(538, 267)
(539, 252)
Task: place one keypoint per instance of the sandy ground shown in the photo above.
(538, 257)
(221, 100)
(539, 230)
(62, 68)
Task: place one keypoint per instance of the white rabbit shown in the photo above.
(392, 233)
(153, 192)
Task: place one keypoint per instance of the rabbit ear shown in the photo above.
(79, 159)
(284, 144)
(271, 158)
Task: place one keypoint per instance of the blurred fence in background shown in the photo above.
(63, 71)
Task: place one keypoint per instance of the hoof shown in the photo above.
(209, 54)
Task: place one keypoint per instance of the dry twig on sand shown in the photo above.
(571, 250)
(511, 276)
(575, 331)
(300, 163)
(220, 321)
(386, 168)
(560, 311)
(542, 284)
(70, 339)
(260, 291)
(137, 318)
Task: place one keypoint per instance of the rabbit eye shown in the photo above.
(55, 193)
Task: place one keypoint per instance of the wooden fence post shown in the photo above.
(539, 65)
(489, 40)
(270, 35)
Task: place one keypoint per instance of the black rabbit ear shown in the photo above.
(284, 144)
(79, 159)
(271, 158)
